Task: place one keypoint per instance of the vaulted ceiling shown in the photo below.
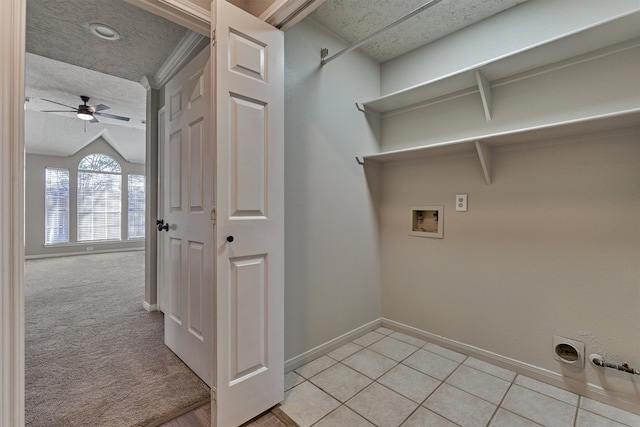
(65, 60)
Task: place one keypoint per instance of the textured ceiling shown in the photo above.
(68, 61)
(65, 60)
(60, 30)
(63, 134)
(354, 20)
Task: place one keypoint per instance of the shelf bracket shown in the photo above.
(360, 107)
(360, 160)
(324, 52)
(484, 85)
(485, 155)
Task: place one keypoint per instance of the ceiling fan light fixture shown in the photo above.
(104, 31)
(83, 115)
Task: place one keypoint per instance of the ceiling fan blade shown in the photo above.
(64, 105)
(100, 107)
(94, 120)
(112, 116)
(58, 111)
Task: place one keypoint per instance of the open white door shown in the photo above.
(187, 231)
(249, 95)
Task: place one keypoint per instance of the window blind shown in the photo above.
(56, 195)
(136, 207)
(99, 206)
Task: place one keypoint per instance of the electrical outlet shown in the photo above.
(461, 202)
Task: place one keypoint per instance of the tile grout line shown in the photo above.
(419, 405)
(606, 417)
(512, 382)
(444, 382)
(360, 391)
(375, 380)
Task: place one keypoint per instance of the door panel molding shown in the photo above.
(248, 146)
(248, 290)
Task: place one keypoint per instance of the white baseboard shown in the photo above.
(589, 390)
(314, 353)
(150, 307)
(85, 252)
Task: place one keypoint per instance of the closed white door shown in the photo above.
(249, 56)
(189, 265)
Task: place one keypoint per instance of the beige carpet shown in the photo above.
(94, 356)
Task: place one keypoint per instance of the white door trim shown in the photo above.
(160, 275)
(12, 68)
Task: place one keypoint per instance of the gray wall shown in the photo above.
(34, 202)
(550, 248)
(331, 230)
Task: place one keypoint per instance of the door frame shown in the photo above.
(12, 69)
(12, 164)
(12, 80)
(159, 255)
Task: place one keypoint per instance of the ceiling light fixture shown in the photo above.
(104, 31)
(83, 115)
(85, 112)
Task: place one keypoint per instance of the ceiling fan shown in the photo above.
(86, 112)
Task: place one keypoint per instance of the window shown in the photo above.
(136, 207)
(99, 198)
(56, 205)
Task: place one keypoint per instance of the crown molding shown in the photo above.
(148, 82)
(190, 44)
(181, 12)
(188, 7)
(284, 14)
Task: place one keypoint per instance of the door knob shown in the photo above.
(161, 227)
(229, 239)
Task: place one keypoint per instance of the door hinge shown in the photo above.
(214, 215)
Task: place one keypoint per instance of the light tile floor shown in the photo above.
(389, 379)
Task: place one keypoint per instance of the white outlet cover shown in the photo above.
(461, 202)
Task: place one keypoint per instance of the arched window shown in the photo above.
(99, 198)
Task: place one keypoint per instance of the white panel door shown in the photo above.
(250, 200)
(189, 208)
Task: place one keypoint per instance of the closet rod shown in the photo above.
(324, 52)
